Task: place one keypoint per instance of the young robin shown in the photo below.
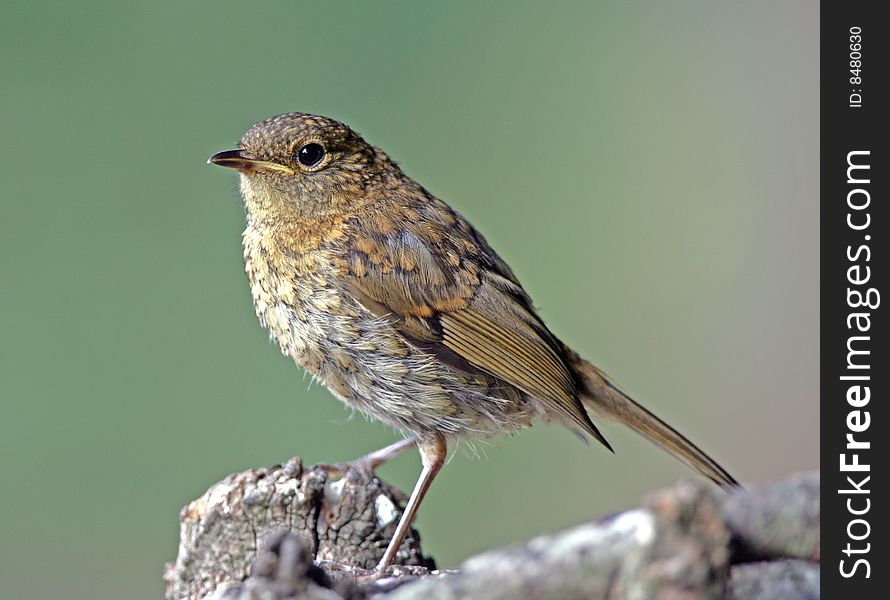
(395, 302)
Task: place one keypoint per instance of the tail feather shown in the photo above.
(602, 397)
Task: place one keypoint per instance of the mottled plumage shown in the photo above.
(400, 307)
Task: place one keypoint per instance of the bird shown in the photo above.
(396, 303)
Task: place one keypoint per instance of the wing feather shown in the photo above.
(447, 292)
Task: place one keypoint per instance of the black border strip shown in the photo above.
(855, 369)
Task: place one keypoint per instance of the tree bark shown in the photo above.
(290, 532)
(348, 521)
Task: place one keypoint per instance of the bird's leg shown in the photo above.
(370, 462)
(433, 451)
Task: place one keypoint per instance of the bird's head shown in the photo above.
(301, 165)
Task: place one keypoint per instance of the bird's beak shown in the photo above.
(241, 160)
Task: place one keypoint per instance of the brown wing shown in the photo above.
(448, 293)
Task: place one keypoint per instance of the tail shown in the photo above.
(601, 396)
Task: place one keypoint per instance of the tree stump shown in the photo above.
(288, 532)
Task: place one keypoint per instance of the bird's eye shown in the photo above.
(310, 154)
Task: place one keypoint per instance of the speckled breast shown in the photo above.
(361, 358)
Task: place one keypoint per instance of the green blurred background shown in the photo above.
(649, 169)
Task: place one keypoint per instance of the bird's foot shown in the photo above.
(367, 465)
(361, 466)
(370, 576)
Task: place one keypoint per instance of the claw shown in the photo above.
(343, 469)
(368, 464)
